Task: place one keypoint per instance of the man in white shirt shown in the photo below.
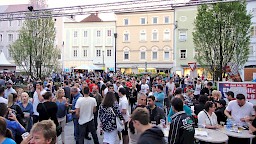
(9, 89)
(144, 86)
(123, 107)
(171, 86)
(2, 99)
(240, 109)
(85, 108)
(37, 98)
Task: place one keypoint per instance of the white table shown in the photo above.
(214, 136)
(243, 134)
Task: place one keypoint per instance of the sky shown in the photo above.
(66, 3)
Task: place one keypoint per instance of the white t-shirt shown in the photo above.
(105, 91)
(86, 105)
(238, 112)
(197, 89)
(3, 100)
(204, 120)
(144, 88)
(171, 87)
(36, 101)
(123, 104)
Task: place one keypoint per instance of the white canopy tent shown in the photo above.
(88, 67)
(5, 65)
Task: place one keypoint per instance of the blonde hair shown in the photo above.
(11, 99)
(58, 96)
(24, 93)
(215, 92)
(47, 128)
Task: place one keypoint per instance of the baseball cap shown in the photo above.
(230, 93)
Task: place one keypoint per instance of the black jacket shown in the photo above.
(156, 114)
(182, 129)
(206, 91)
(152, 136)
(221, 117)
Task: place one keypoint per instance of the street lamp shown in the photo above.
(31, 9)
(115, 35)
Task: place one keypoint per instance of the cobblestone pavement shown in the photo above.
(69, 136)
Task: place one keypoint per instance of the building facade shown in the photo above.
(145, 41)
(250, 65)
(9, 30)
(88, 42)
(184, 45)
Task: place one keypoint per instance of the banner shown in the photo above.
(246, 88)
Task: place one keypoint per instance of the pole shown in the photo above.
(103, 61)
(115, 35)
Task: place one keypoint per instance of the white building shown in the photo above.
(9, 30)
(88, 42)
(250, 65)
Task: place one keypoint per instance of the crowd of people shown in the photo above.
(120, 107)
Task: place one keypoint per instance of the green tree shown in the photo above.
(36, 40)
(222, 35)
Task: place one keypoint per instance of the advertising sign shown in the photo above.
(246, 88)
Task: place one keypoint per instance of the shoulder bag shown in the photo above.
(58, 128)
(119, 123)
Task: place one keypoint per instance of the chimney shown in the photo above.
(96, 13)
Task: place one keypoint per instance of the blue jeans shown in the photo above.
(76, 129)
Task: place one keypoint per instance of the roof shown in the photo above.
(92, 18)
(4, 61)
(14, 8)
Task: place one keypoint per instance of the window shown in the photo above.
(142, 55)
(18, 36)
(126, 21)
(1, 37)
(126, 37)
(251, 51)
(10, 37)
(109, 33)
(19, 22)
(98, 53)
(142, 21)
(109, 53)
(183, 54)
(154, 35)
(182, 35)
(167, 35)
(10, 23)
(75, 34)
(154, 20)
(166, 20)
(126, 55)
(75, 53)
(9, 53)
(85, 34)
(166, 55)
(85, 54)
(98, 33)
(154, 55)
(253, 31)
(143, 35)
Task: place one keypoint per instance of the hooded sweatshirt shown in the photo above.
(153, 135)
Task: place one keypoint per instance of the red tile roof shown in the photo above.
(92, 18)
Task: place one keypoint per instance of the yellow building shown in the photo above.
(145, 41)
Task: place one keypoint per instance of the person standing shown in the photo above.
(123, 107)
(62, 109)
(198, 88)
(149, 134)
(144, 86)
(182, 128)
(156, 113)
(85, 107)
(76, 94)
(2, 99)
(95, 94)
(9, 90)
(159, 96)
(27, 109)
(108, 112)
(37, 98)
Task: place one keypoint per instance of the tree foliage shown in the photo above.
(36, 37)
(222, 35)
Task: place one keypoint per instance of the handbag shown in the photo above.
(119, 123)
(58, 128)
